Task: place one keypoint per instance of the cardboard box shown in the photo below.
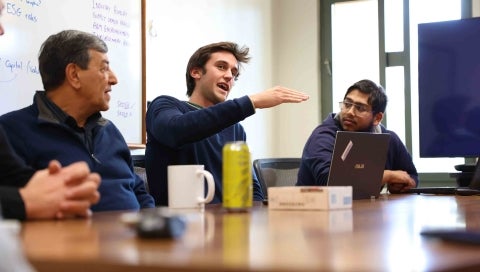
(340, 220)
(310, 197)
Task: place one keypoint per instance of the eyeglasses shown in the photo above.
(359, 108)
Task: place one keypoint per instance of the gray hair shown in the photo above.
(63, 48)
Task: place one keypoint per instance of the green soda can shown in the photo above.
(237, 177)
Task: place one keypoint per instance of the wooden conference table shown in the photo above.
(375, 235)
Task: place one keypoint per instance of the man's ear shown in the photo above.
(196, 72)
(377, 118)
(71, 75)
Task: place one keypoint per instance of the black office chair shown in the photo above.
(142, 173)
(276, 172)
(139, 167)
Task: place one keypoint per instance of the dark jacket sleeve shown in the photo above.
(13, 175)
(13, 171)
(171, 126)
(317, 154)
(11, 203)
(144, 198)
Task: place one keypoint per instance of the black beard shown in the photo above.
(369, 128)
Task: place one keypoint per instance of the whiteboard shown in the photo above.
(27, 25)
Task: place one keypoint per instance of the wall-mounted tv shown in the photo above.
(449, 88)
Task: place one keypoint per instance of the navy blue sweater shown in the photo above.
(317, 154)
(180, 133)
(38, 137)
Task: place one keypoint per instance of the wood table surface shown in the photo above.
(375, 235)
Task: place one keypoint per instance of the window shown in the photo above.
(366, 39)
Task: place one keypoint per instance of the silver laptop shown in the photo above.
(358, 160)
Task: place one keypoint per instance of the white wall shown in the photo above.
(283, 40)
(295, 64)
(476, 8)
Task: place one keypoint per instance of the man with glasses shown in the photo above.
(361, 110)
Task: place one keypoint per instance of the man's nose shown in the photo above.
(228, 74)
(113, 80)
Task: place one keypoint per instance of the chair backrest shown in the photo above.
(276, 172)
(142, 173)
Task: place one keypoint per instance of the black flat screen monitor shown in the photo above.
(449, 88)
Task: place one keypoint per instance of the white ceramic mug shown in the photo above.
(186, 186)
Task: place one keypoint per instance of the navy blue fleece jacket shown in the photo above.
(317, 154)
(38, 137)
